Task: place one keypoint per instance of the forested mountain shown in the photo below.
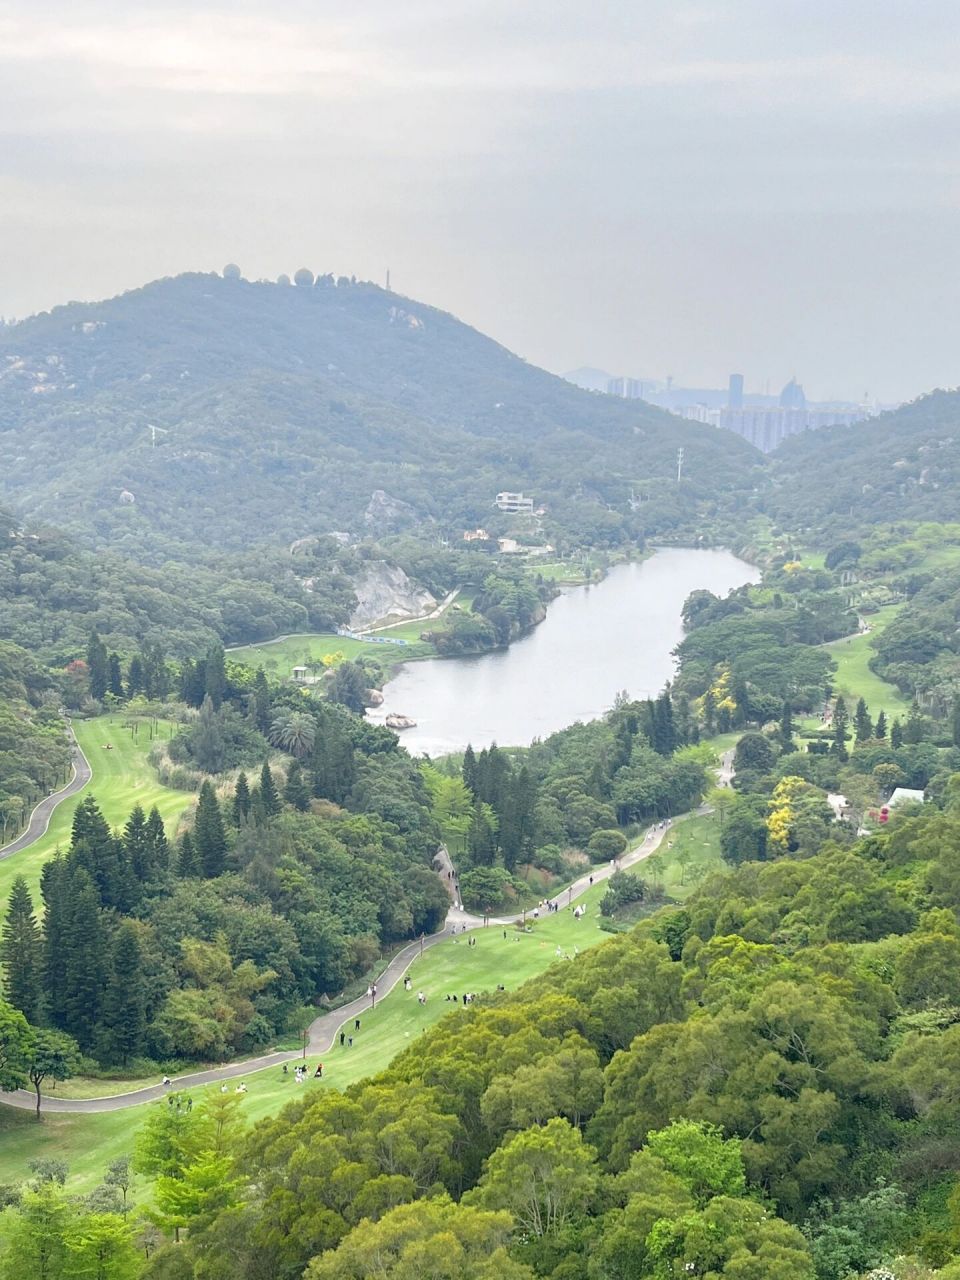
(281, 409)
(903, 465)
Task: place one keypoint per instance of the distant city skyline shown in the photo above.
(637, 386)
(693, 186)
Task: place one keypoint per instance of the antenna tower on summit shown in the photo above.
(388, 279)
(679, 463)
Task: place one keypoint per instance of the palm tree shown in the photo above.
(294, 731)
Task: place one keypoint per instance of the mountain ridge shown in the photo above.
(294, 403)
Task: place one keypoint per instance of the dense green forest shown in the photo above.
(903, 465)
(761, 1084)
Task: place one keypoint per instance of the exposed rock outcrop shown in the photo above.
(385, 594)
(385, 514)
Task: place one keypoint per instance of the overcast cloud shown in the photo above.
(651, 186)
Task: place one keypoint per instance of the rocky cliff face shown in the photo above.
(385, 594)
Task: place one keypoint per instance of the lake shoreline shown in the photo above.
(619, 635)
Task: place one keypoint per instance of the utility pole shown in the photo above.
(679, 463)
(153, 434)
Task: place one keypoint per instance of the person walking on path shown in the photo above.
(343, 1036)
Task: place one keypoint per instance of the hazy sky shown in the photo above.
(652, 186)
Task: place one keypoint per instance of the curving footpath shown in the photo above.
(324, 1030)
(40, 818)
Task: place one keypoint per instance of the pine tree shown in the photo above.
(786, 725)
(840, 721)
(114, 676)
(880, 729)
(295, 791)
(268, 792)
(21, 953)
(481, 841)
(896, 735)
(862, 724)
(208, 834)
(469, 769)
(517, 820)
(158, 858)
(241, 800)
(913, 729)
(209, 742)
(135, 680)
(664, 734)
(98, 670)
(188, 863)
(156, 677)
(215, 676)
(53, 890)
(84, 944)
(137, 845)
(93, 847)
(124, 1003)
(628, 726)
(261, 701)
(193, 682)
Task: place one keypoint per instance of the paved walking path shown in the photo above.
(324, 1030)
(40, 818)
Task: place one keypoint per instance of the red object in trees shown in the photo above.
(884, 814)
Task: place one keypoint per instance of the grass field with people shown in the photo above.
(88, 1142)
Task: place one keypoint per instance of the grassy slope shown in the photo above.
(89, 1142)
(122, 778)
(854, 679)
(698, 839)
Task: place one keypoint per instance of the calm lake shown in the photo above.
(595, 641)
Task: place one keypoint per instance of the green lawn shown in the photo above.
(122, 777)
(690, 850)
(279, 657)
(854, 679)
(554, 571)
(89, 1142)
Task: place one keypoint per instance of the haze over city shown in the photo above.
(656, 187)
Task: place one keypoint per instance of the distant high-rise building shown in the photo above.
(625, 388)
(735, 393)
(792, 397)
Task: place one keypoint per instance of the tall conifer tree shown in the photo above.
(114, 676)
(269, 797)
(124, 1004)
(208, 834)
(84, 944)
(295, 791)
(21, 952)
(188, 863)
(98, 668)
(215, 676)
(158, 846)
(241, 800)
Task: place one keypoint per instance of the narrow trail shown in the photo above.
(324, 1030)
(40, 818)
